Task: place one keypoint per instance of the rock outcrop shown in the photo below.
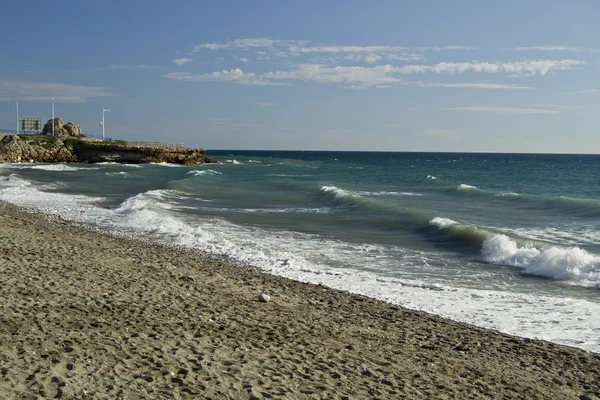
(59, 129)
(51, 149)
(15, 149)
(72, 129)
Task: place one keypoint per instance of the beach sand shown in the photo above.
(87, 315)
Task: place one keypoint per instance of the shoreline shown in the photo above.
(87, 315)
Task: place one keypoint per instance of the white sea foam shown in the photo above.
(442, 223)
(431, 177)
(196, 172)
(463, 186)
(572, 263)
(386, 193)
(119, 164)
(119, 173)
(232, 161)
(170, 165)
(58, 167)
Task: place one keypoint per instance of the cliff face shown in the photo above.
(54, 150)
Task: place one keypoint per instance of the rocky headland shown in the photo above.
(78, 149)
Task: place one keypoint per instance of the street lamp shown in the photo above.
(17, 105)
(53, 116)
(103, 111)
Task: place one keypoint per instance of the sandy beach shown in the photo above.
(85, 315)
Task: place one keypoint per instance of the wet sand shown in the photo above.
(85, 315)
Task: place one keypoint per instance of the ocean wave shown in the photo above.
(338, 193)
(463, 186)
(442, 223)
(570, 264)
(431, 177)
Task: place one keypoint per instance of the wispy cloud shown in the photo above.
(560, 106)
(182, 61)
(551, 48)
(45, 91)
(381, 75)
(134, 67)
(233, 76)
(357, 76)
(527, 67)
(267, 48)
(505, 110)
(446, 48)
(584, 91)
(473, 85)
(253, 43)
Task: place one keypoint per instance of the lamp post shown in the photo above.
(17, 106)
(103, 111)
(53, 116)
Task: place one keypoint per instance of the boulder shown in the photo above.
(59, 129)
(72, 129)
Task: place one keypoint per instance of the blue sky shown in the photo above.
(494, 76)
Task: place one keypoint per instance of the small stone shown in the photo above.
(264, 298)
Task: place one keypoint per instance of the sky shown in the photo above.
(454, 76)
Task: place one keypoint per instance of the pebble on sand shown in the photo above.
(264, 298)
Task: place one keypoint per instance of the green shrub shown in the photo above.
(49, 142)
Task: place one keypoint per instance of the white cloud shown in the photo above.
(134, 67)
(372, 58)
(299, 48)
(528, 67)
(182, 61)
(446, 48)
(584, 91)
(382, 75)
(552, 48)
(232, 76)
(246, 44)
(561, 106)
(474, 85)
(45, 91)
(505, 110)
(359, 77)
(244, 59)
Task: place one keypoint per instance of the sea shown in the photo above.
(509, 242)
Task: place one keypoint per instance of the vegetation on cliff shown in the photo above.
(53, 149)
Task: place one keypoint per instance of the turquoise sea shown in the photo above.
(504, 241)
